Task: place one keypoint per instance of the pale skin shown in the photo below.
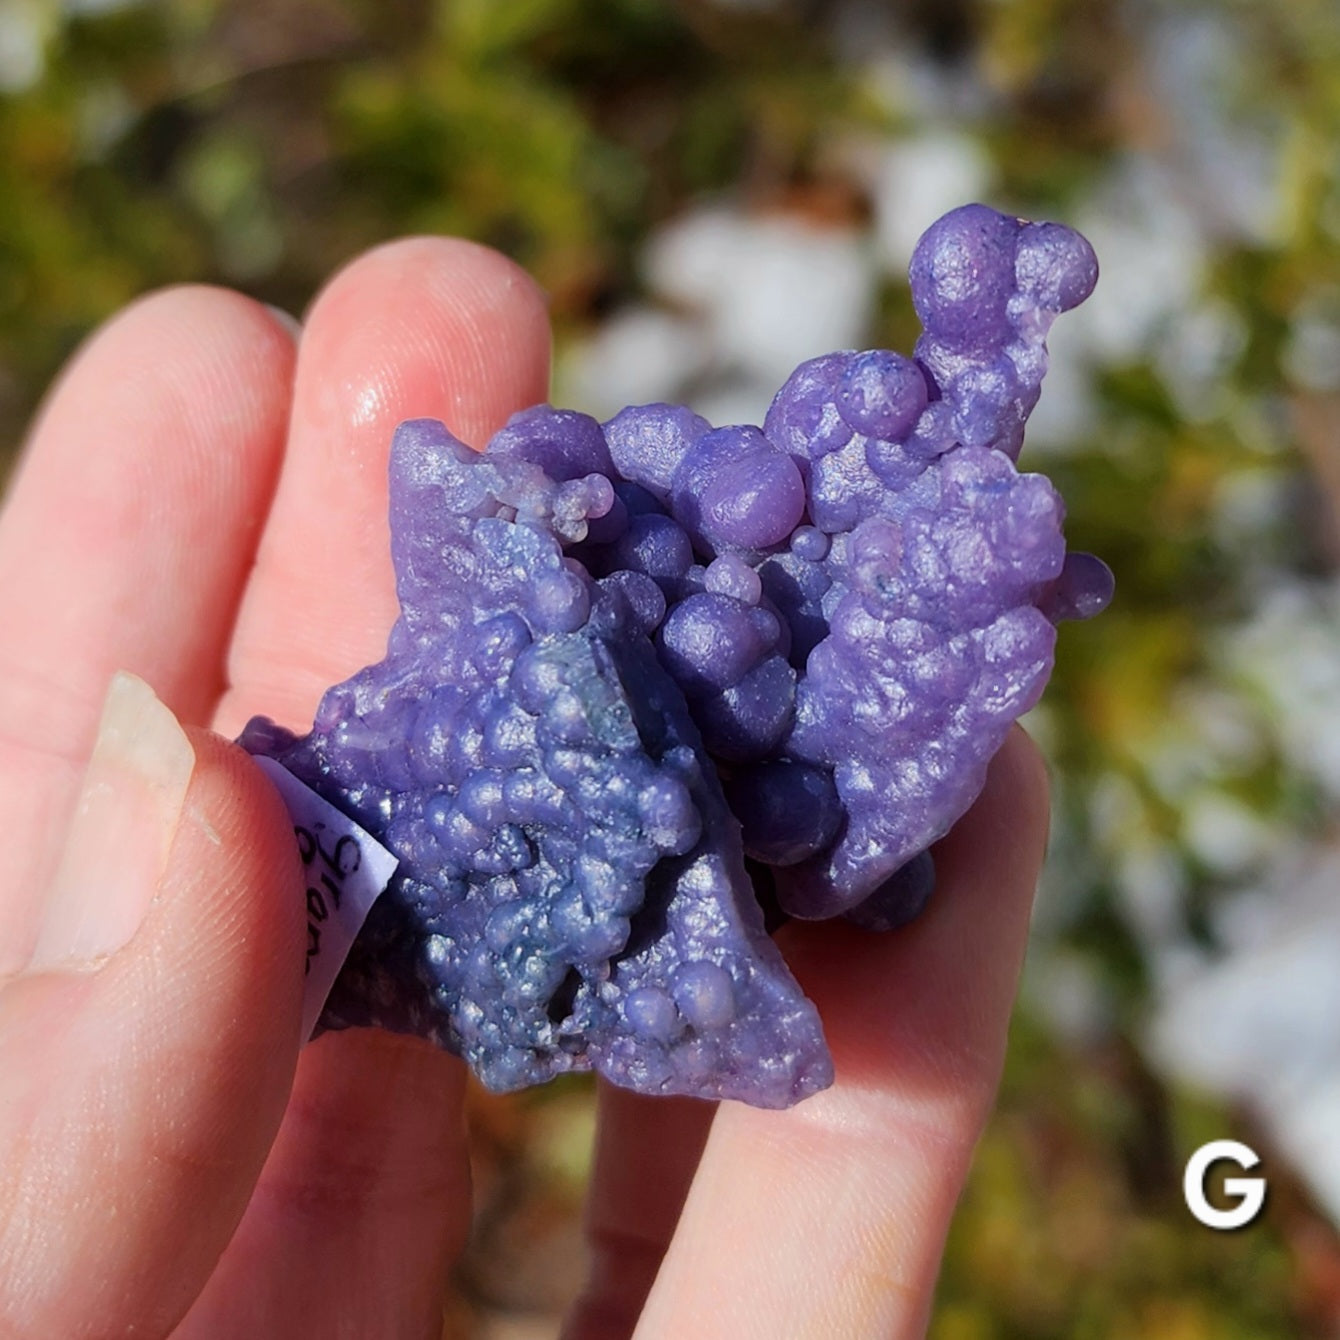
(203, 503)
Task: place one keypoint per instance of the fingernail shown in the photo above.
(117, 848)
(287, 320)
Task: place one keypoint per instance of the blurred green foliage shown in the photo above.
(1073, 1226)
(263, 145)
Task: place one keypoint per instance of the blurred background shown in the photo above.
(713, 190)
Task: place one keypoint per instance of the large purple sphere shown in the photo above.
(629, 656)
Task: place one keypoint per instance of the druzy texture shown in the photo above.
(650, 674)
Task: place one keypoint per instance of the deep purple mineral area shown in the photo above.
(633, 657)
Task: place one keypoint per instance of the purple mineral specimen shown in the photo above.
(629, 656)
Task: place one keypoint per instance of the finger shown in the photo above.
(147, 1050)
(418, 328)
(647, 1151)
(124, 543)
(830, 1219)
(426, 327)
(362, 1207)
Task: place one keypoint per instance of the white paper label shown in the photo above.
(346, 869)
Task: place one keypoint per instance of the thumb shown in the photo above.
(148, 1047)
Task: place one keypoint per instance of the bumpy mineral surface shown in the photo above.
(645, 668)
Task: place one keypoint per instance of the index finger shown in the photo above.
(370, 1164)
(420, 328)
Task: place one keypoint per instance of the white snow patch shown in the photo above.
(1289, 656)
(1262, 1024)
(773, 290)
(638, 356)
(917, 180)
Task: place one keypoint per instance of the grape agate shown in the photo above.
(633, 657)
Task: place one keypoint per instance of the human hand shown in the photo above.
(203, 504)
